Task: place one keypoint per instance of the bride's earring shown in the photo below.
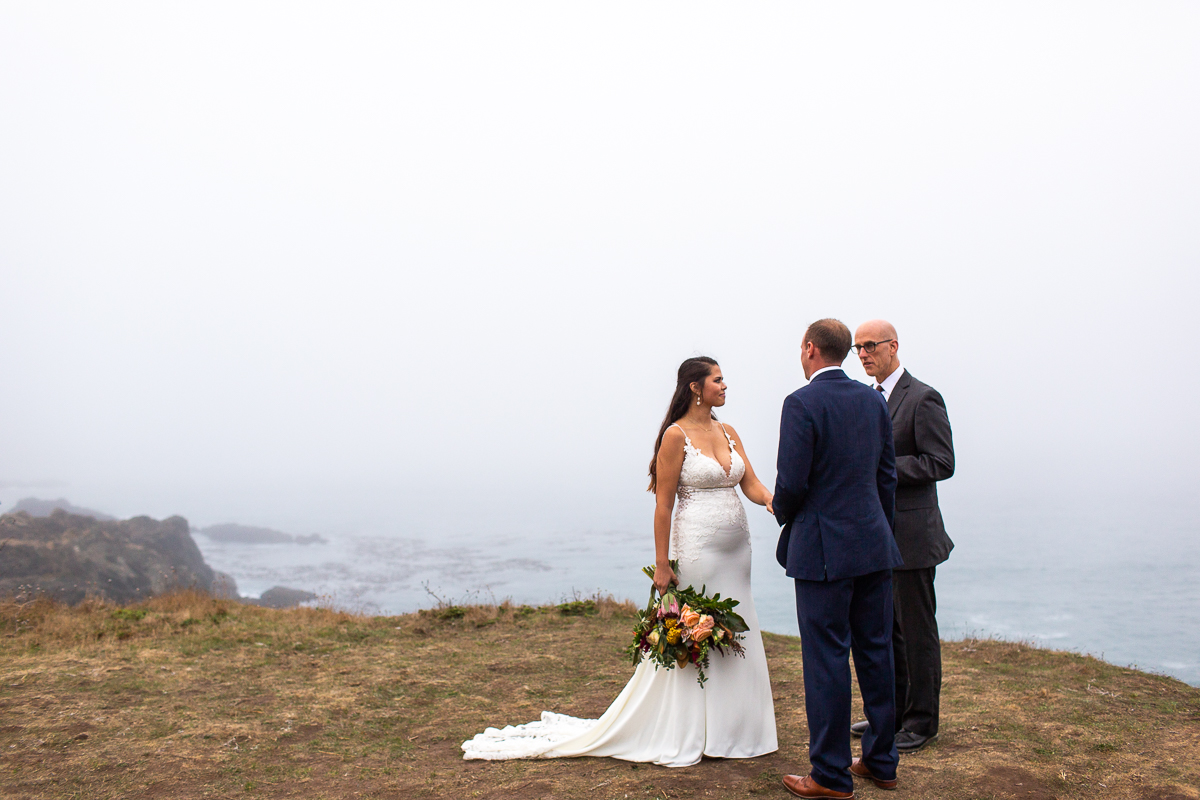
(697, 399)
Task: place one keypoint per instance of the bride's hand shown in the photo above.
(770, 504)
(664, 576)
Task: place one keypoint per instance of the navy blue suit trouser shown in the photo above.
(837, 618)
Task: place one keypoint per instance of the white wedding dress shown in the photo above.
(664, 716)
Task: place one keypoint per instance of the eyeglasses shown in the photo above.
(870, 346)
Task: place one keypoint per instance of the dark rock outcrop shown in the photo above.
(224, 587)
(233, 533)
(69, 556)
(44, 508)
(244, 534)
(282, 597)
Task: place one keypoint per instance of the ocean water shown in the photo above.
(1068, 575)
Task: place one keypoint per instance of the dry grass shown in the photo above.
(198, 697)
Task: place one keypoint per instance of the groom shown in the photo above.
(834, 497)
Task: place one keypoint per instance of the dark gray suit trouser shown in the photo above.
(917, 649)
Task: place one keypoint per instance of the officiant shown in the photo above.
(924, 456)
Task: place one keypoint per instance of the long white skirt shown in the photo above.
(664, 716)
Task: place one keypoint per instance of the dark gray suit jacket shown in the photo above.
(924, 456)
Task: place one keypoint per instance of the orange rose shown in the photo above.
(703, 628)
(689, 617)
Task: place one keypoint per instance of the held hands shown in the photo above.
(770, 504)
(664, 576)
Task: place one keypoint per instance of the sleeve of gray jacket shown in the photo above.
(934, 460)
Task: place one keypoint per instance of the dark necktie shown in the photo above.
(880, 389)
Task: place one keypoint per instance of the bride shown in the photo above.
(665, 716)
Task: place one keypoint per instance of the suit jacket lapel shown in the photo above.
(898, 393)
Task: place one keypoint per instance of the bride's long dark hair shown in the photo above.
(694, 370)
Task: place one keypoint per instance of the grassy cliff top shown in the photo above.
(185, 696)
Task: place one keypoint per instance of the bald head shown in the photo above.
(877, 345)
(875, 330)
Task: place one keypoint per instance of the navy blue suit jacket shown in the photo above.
(835, 491)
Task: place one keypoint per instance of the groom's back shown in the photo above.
(842, 527)
(853, 426)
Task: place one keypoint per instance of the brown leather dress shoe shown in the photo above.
(807, 787)
(859, 770)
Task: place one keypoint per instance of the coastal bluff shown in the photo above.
(187, 696)
(68, 557)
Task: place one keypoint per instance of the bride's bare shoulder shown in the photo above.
(673, 437)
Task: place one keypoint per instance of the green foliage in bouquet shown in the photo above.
(684, 626)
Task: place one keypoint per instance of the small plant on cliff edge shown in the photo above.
(130, 614)
(577, 608)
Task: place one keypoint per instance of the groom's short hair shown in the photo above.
(831, 337)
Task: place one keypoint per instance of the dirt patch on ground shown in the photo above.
(207, 699)
(1163, 793)
(1012, 782)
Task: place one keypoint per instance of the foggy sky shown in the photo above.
(278, 262)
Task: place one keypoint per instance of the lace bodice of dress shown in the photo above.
(705, 472)
(706, 500)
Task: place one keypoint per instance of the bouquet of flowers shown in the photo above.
(684, 626)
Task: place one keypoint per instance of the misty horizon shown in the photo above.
(422, 276)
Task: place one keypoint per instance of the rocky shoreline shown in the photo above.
(51, 548)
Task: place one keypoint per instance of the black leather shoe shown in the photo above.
(909, 742)
(859, 728)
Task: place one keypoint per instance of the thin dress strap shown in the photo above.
(686, 438)
(728, 438)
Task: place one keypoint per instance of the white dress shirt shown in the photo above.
(889, 383)
(818, 372)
